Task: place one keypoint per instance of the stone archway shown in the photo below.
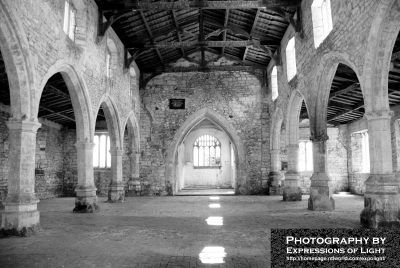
(227, 127)
(292, 190)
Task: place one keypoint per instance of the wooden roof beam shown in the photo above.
(344, 90)
(251, 32)
(200, 44)
(225, 24)
(204, 4)
(151, 35)
(177, 32)
(355, 107)
(396, 56)
(55, 112)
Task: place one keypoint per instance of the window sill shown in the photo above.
(209, 167)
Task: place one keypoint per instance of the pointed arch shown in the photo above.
(20, 70)
(79, 98)
(112, 119)
(133, 129)
(187, 126)
(292, 117)
(325, 73)
(113, 60)
(382, 37)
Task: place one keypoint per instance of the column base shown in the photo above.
(381, 202)
(292, 191)
(273, 185)
(116, 194)
(20, 219)
(86, 199)
(321, 193)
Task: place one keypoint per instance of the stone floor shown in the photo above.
(193, 191)
(168, 231)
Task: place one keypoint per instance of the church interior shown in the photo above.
(178, 133)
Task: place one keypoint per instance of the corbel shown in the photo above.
(296, 23)
(275, 56)
(128, 61)
(104, 26)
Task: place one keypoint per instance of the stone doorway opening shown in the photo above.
(206, 161)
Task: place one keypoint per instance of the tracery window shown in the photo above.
(305, 156)
(206, 152)
(69, 20)
(101, 150)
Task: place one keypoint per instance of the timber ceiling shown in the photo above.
(143, 31)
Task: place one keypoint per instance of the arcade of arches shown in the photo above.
(85, 114)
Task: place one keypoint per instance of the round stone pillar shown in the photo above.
(274, 187)
(321, 188)
(117, 191)
(86, 198)
(381, 198)
(21, 216)
(292, 190)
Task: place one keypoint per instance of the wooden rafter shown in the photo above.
(251, 32)
(204, 4)
(57, 112)
(178, 32)
(151, 35)
(344, 90)
(396, 56)
(225, 24)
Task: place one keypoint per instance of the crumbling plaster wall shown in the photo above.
(237, 96)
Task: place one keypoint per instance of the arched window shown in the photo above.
(291, 59)
(322, 20)
(101, 151)
(206, 152)
(70, 20)
(305, 156)
(274, 83)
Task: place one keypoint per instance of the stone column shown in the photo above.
(117, 191)
(382, 197)
(321, 188)
(86, 198)
(135, 160)
(274, 185)
(292, 190)
(21, 216)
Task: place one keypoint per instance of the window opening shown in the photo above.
(322, 20)
(274, 83)
(70, 20)
(305, 156)
(291, 59)
(365, 152)
(108, 65)
(207, 152)
(101, 151)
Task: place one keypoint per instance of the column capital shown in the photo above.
(23, 125)
(377, 115)
(292, 146)
(84, 145)
(319, 138)
(116, 151)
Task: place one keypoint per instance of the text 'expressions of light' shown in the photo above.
(215, 221)
(212, 255)
(214, 205)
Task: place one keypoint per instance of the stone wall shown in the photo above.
(4, 152)
(237, 96)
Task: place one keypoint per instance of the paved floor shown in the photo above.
(168, 231)
(189, 192)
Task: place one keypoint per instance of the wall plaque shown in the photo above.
(177, 103)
